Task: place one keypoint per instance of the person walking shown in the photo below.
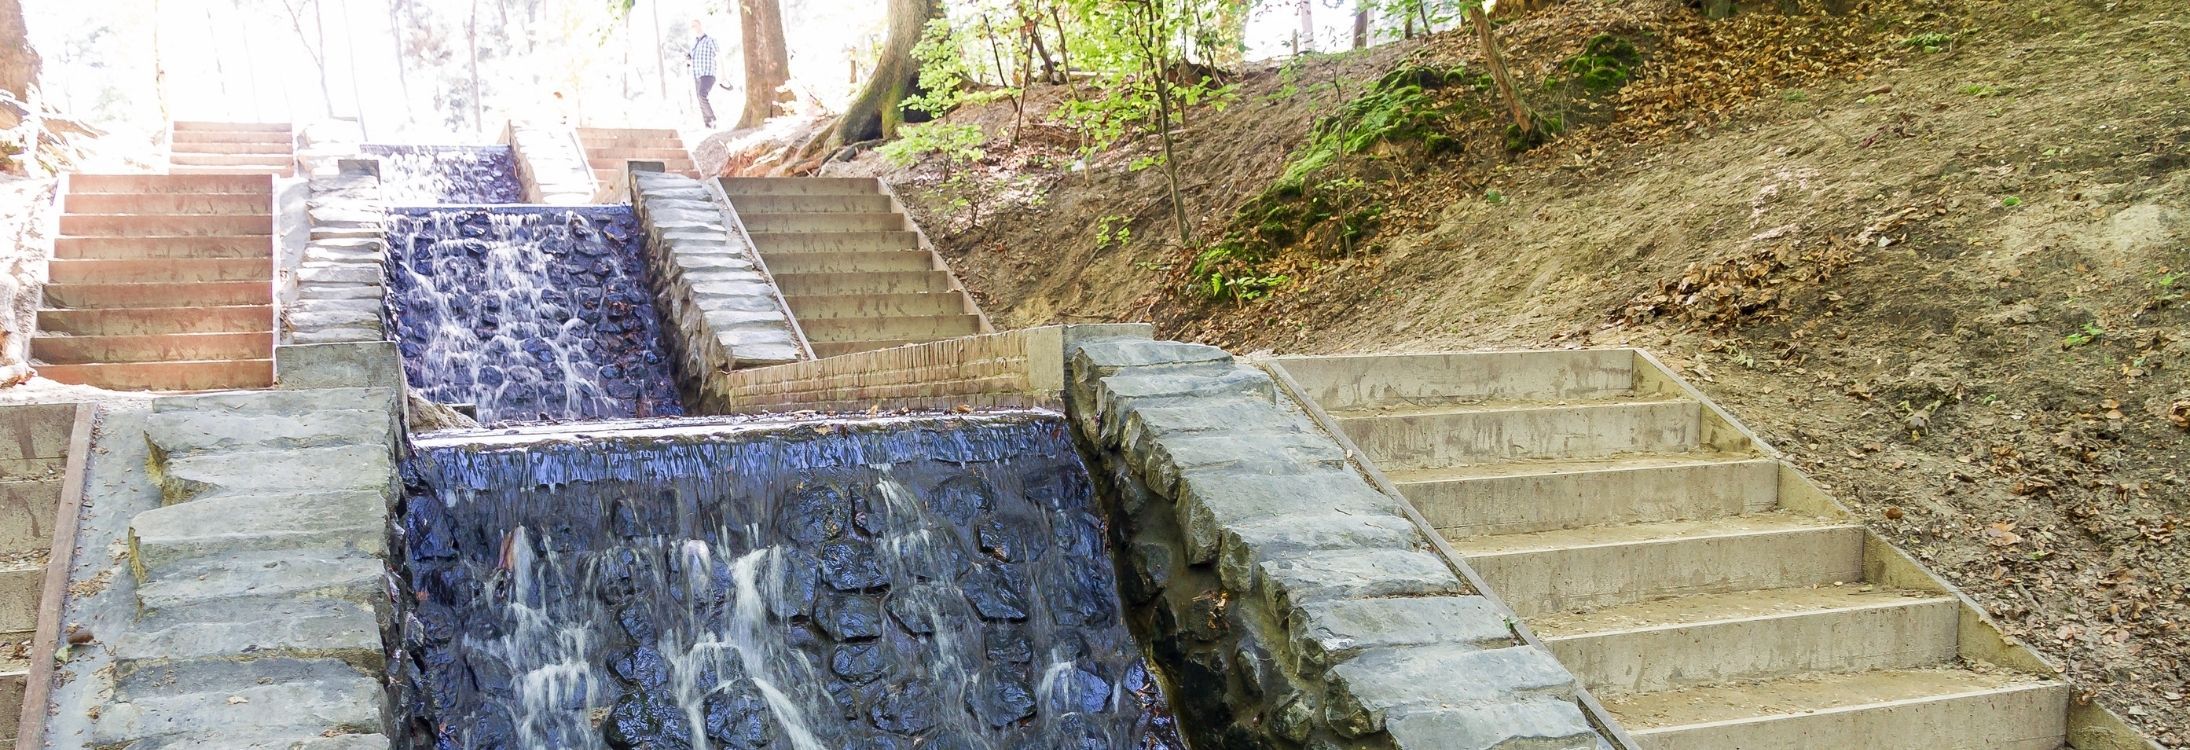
(703, 68)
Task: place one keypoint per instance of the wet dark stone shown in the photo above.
(994, 594)
(814, 515)
(849, 617)
(1079, 690)
(422, 175)
(738, 720)
(1008, 645)
(636, 623)
(860, 663)
(851, 566)
(914, 608)
(1001, 699)
(961, 499)
(643, 667)
(645, 720)
(904, 708)
(798, 577)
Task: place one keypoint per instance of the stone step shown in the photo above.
(343, 468)
(784, 243)
(190, 169)
(159, 248)
(157, 320)
(1555, 571)
(281, 403)
(901, 261)
(267, 148)
(188, 432)
(1747, 635)
(818, 307)
(273, 139)
(927, 327)
(841, 348)
(592, 133)
(250, 738)
(182, 126)
(210, 697)
(116, 295)
(135, 184)
(255, 627)
(22, 584)
(1346, 383)
(1521, 497)
(737, 186)
(174, 536)
(14, 682)
(1439, 437)
(165, 225)
(818, 284)
(160, 270)
(1918, 709)
(823, 222)
(167, 376)
(172, 347)
(815, 204)
(322, 573)
(271, 161)
(225, 204)
(616, 157)
(27, 515)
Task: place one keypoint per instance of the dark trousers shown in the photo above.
(707, 109)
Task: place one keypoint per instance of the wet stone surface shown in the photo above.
(926, 584)
(528, 313)
(441, 175)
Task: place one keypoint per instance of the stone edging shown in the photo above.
(342, 280)
(550, 163)
(724, 307)
(1022, 368)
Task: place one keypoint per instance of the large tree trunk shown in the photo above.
(1361, 24)
(767, 61)
(18, 62)
(1495, 59)
(878, 109)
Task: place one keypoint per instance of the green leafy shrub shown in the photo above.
(959, 143)
(1605, 64)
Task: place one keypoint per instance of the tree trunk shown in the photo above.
(402, 70)
(18, 62)
(878, 109)
(478, 92)
(1361, 24)
(1307, 40)
(1494, 59)
(767, 61)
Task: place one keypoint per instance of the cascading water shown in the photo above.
(881, 585)
(437, 175)
(528, 313)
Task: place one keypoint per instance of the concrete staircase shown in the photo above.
(609, 149)
(1708, 594)
(233, 148)
(161, 282)
(34, 440)
(850, 264)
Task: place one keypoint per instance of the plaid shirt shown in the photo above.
(703, 56)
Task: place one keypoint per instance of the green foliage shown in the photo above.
(1113, 230)
(2011, 201)
(1979, 90)
(945, 72)
(2089, 333)
(961, 144)
(1605, 64)
(1398, 108)
(1493, 197)
(1931, 42)
(1221, 273)
(1794, 95)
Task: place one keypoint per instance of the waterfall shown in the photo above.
(528, 313)
(435, 175)
(895, 583)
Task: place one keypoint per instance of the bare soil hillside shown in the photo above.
(1953, 284)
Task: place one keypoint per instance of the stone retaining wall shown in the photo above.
(341, 281)
(550, 163)
(709, 285)
(1292, 604)
(1013, 369)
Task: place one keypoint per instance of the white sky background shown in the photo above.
(244, 60)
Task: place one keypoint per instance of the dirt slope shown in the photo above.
(1954, 286)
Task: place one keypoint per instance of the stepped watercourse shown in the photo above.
(607, 578)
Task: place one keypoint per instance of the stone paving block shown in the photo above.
(1367, 690)
(1243, 548)
(334, 469)
(1323, 633)
(193, 433)
(1152, 389)
(256, 628)
(330, 574)
(1534, 724)
(1353, 574)
(246, 738)
(1213, 500)
(204, 697)
(281, 402)
(1274, 454)
(1102, 359)
(1136, 432)
(171, 535)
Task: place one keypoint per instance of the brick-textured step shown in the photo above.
(172, 347)
(822, 222)
(774, 243)
(920, 328)
(876, 262)
(286, 170)
(903, 282)
(840, 348)
(875, 305)
(267, 139)
(230, 127)
(219, 294)
(166, 225)
(155, 248)
(846, 203)
(225, 204)
(162, 270)
(132, 184)
(184, 159)
(156, 320)
(167, 376)
(743, 186)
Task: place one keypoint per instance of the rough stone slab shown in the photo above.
(338, 305)
(334, 336)
(256, 628)
(372, 363)
(205, 697)
(165, 537)
(1326, 632)
(183, 433)
(1355, 574)
(1211, 501)
(282, 402)
(1243, 548)
(354, 274)
(1102, 359)
(762, 355)
(367, 468)
(261, 741)
(1142, 427)
(300, 573)
(374, 291)
(1158, 388)
(1272, 454)
(1534, 724)
(1383, 683)
(349, 319)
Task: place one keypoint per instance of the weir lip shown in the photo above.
(885, 582)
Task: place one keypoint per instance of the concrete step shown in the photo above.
(774, 243)
(211, 696)
(225, 204)
(257, 628)
(167, 376)
(230, 127)
(1385, 381)
(840, 222)
(165, 225)
(156, 320)
(154, 248)
(14, 681)
(621, 154)
(1527, 496)
(871, 262)
(597, 133)
(1746, 635)
(841, 348)
(174, 347)
(22, 584)
(1574, 569)
(327, 573)
(814, 204)
(188, 169)
(134, 184)
(820, 284)
(269, 147)
(737, 186)
(174, 536)
(818, 307)
(273, 139)
(867, 329)
(185, 159)
(160, 270)
(133, 295)
(1441, 437)
(26, 515)
(1921, 709)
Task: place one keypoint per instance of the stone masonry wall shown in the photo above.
(709, 286)
(1292, 604)
(340, 283)
(1008, 370)
(550, 163)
